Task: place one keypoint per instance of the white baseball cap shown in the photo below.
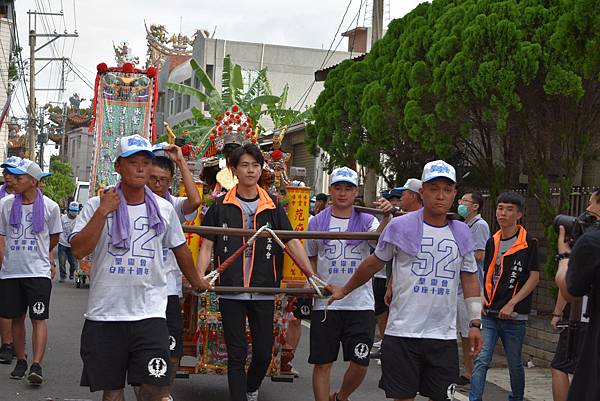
(26, 166)
(11, 162)
(130, 145)
(159, 149)
(412, 184)
(73, 207)
(438, 169)
(344, 174)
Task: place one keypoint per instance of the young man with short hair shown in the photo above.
(30, 226)
(160, 181)
(431, 255)
(125, 335)
(511, 269)
(248, 206)
(7, 348)
(469, 208)
(64, 247)
(350, 322)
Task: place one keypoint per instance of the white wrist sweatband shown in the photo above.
(473, 308)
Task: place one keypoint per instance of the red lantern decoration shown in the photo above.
(102, 68)
(152, 72)
(276, 154)
(235, 108)
(214, 131)
(227, 113)
(220, 128)
(217, 123)
(248, 130)
(186, 149)
(212, 137)
(248, 136)
(229, 128)
(239, 129)
(128, 68)
(219, 117)
(253, 140)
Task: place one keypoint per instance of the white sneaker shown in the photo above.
(252, 396)
(377, 344)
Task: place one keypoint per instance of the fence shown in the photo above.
(578, 201)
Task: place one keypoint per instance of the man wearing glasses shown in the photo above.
(160, 180)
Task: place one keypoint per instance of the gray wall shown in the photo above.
(80, 152)
(285, 64)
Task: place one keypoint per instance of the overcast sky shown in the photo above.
(305, 23)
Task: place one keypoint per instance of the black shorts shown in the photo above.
(303, 308)
(411, 365)
(112, 351)
(379, 288)
(175, 325)
(564, 360)
(18, 294)
(355, 330)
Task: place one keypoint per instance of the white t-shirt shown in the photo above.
(67, 228)
(174, 276)
(425, 287)
(336, 263)
(130, 284)
(27, 254)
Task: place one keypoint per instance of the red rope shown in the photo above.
(153, 110)
(95, 103)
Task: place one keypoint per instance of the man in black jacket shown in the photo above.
(578, 276)
(247, 206)
(511, 273)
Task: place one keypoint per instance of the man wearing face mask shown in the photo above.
(469, 208)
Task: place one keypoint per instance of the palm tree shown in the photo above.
(255, 102)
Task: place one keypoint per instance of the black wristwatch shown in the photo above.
(475, 325)
(561, 256)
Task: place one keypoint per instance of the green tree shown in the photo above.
(60, 186)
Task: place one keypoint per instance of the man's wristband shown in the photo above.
(561, 256)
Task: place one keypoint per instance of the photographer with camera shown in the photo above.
(578, 274)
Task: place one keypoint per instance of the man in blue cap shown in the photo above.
(30, 226)
(7, 350)
(64, 247)
(431, 255)
(125, 335)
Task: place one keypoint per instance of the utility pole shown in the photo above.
(63, 153)
(41, 135)
(370, 183)
(33, 35)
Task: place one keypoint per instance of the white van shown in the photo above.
(82, 192)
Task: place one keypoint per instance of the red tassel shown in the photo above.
(95, 102)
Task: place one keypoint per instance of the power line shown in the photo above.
(77, 72)
(306, 94)
(307, 91)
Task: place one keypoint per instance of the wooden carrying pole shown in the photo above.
(283, 234)
(265, 290)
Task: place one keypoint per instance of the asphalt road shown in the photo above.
(62, 367)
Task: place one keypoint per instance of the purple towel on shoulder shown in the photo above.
(121, 236)
(359, 223)
(406, 233)
(38, 212)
